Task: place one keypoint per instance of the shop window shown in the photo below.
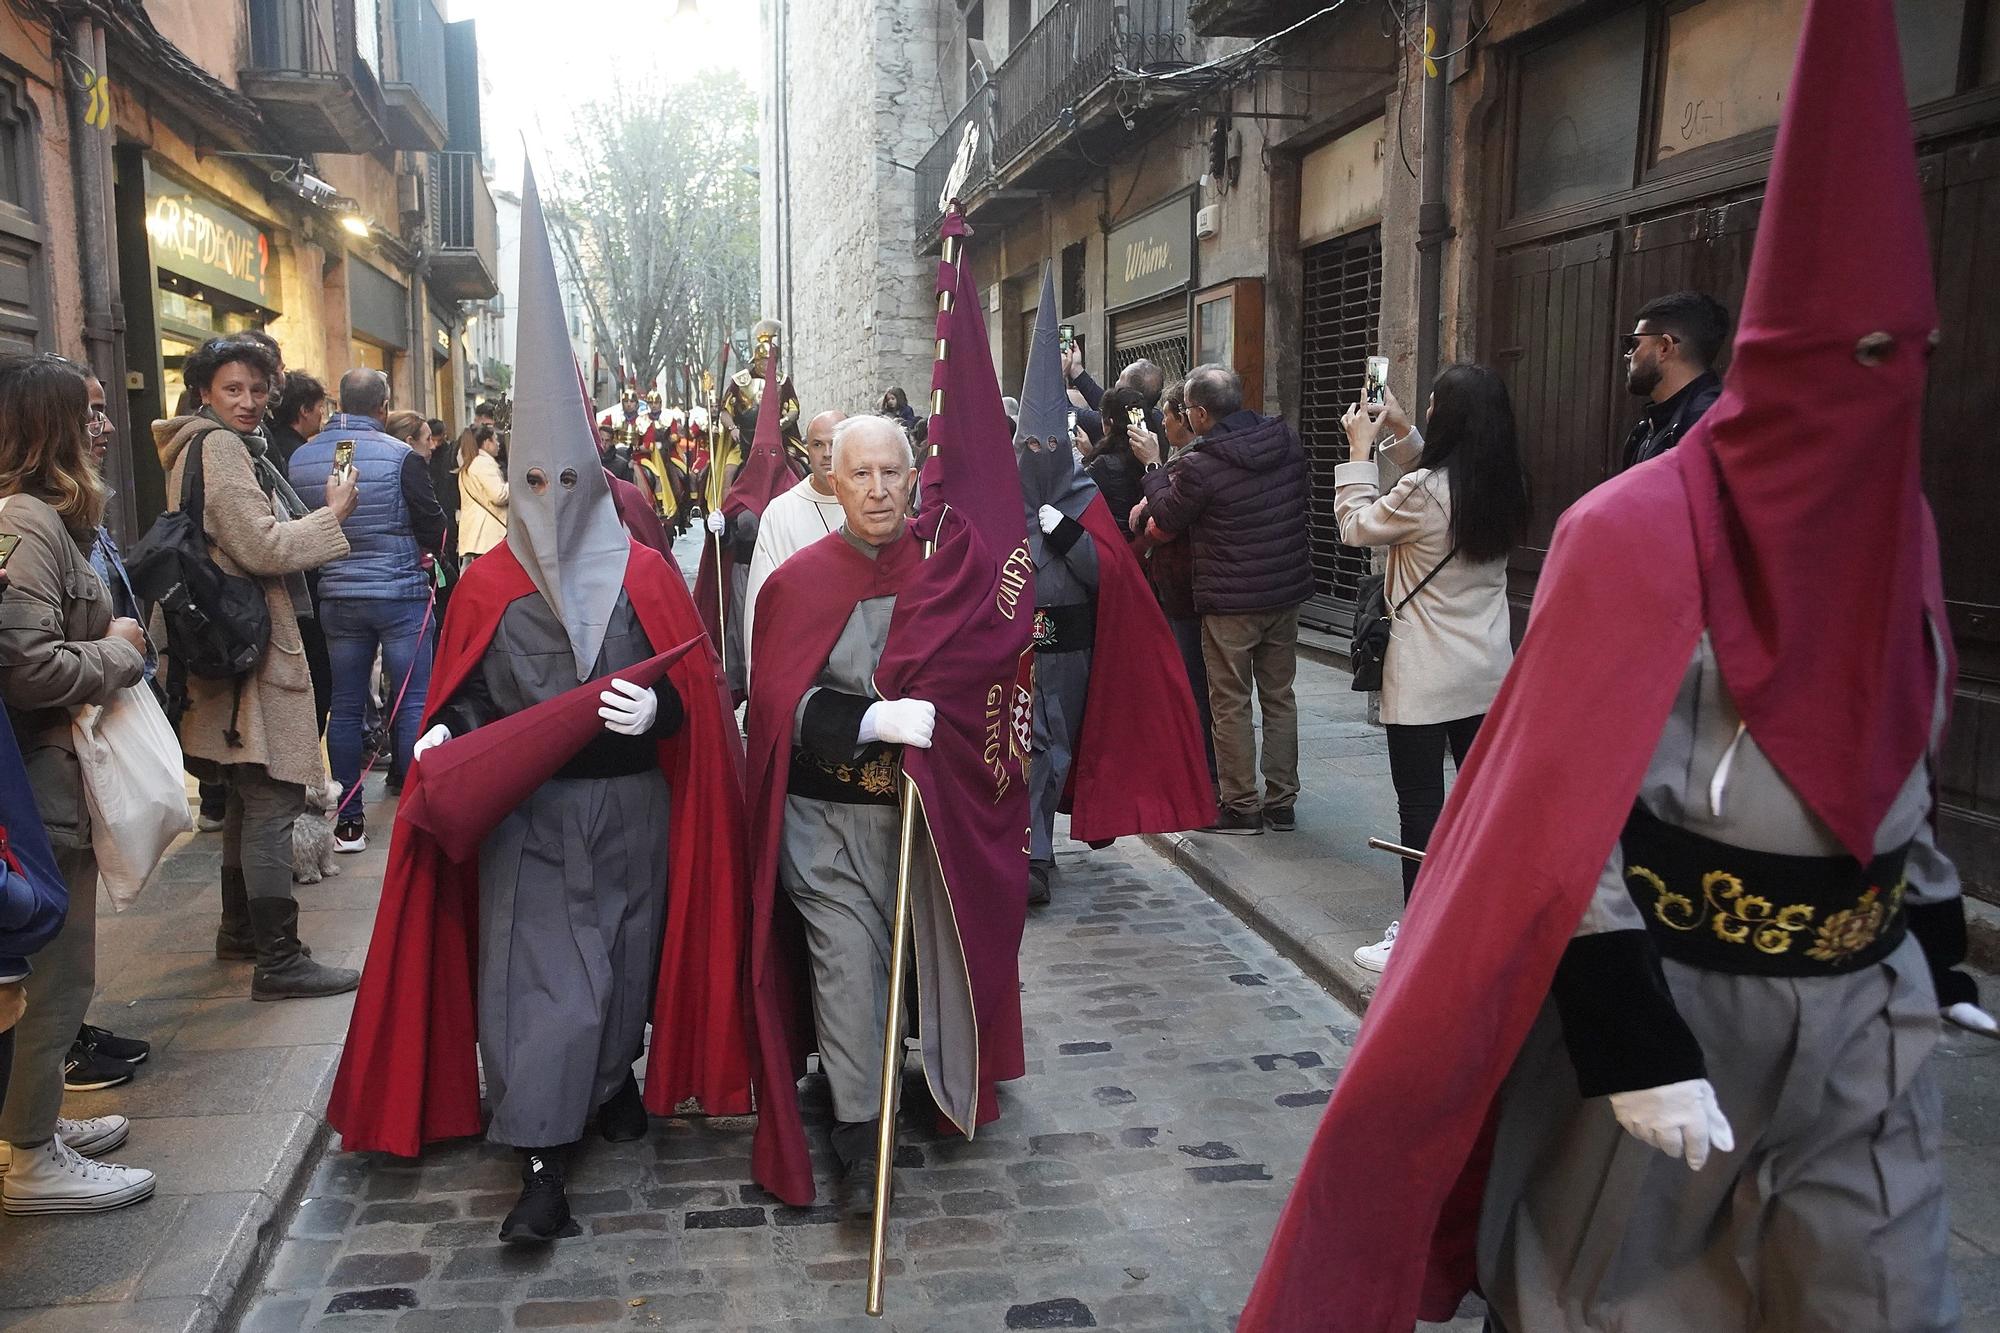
(1728, 63)
(1578, 134)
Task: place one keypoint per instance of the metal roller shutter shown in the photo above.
(1343, 316)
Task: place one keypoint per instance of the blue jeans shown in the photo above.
(355, 628)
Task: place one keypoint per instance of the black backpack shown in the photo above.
(218, 624)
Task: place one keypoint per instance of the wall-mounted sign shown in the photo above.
(1150, 255)
(204, 241)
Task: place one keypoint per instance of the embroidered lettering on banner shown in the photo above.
(995, 753)
(1014, 576)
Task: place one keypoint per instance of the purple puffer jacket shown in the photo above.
(1240, 494)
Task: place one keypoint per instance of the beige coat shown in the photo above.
(54, 657)
(482, 509)
(279, 730)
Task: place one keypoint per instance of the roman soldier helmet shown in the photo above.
(763, 336)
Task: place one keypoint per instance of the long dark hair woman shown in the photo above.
(1449, 523)
(60, 647)
(256, 733)
(1111, 464)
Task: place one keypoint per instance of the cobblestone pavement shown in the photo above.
(1177, 1067)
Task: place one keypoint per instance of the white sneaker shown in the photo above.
(207, 824)
(86, 1138)
(1375, 957)
(53, 1178)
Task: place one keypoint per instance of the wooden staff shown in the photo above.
(899, 936)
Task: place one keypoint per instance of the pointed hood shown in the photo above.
(1049, 474)
(1815, 581)
(765, 474)
(561, 523)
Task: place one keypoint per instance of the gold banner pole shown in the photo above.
(899, 937)
(718, 486)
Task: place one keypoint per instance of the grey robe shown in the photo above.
(573, 898)
(1061, 681)
(1829, 1214)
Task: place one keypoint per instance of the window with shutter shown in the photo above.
(1343, 317)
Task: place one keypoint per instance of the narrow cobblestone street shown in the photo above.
(1177, 1066)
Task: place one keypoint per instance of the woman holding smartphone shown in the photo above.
(1449, 525)
(60, 648)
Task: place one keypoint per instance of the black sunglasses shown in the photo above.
(1630, 342)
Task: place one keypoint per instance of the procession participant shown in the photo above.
(795, 520)
(893, 666)
(722, 581)
(1102, 710)
(743, 400)
(1694, 837)
(613, 894)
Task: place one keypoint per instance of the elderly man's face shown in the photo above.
(871, 478)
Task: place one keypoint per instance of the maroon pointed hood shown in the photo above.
(1814, 537)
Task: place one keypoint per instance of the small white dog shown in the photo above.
(312, 835)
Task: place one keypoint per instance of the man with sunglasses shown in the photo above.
(1668, 356)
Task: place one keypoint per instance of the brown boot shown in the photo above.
(285, 971)
(234, 940)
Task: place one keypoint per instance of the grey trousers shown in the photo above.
(838, 864)
(1828, 1216)
(257, 828)
(1258, 651)
(573, 903)
(1061, 682)
(59, 991)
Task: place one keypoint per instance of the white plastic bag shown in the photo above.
(132, 777)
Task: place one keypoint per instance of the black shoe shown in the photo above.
(542, 1214)
(623, 1117)
(855, 1145)
(1231, 822)
(1039, 875)
(129, 1049)
(349, 836)
(1281, 818)
(86, 1069)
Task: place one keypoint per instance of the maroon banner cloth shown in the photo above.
(473, 782)
(636, 512)
(764, 476)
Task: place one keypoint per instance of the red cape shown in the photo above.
(1139, 716)
(636, 512)
(1381, 1226)
(407, 1074)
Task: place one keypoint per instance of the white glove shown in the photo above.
(1050, 518)
(430, 740)
(899, 722)
(1680, 1119)
(1972, 1018)
(628, 709)
(716, 523)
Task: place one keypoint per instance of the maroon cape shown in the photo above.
(636, 512)
(1140, 766)
(407, 1074)
(805, 604)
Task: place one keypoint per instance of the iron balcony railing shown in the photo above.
(302, 36)
(1072, 52)
(419, 50)
(936, 166)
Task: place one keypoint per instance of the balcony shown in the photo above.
(1054, 88)
(1246, 18)
(415, 91)
(307, 76)
(464, 231)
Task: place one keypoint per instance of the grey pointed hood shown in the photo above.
(1049, 475)
(565, 532)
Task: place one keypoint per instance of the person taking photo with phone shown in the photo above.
(1449, 525)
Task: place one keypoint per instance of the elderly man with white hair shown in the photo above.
(825, 761)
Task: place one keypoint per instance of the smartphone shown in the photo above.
(1067, 336)
(8, 541)
(1376, 389)
(343, 458)
(1135, 416)
(1072, 422)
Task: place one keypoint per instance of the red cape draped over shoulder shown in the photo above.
(1140, 765)
(636, 512)
(805, 605)
(407, 1074)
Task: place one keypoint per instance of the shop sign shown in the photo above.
(1151, 255)
(206, 242)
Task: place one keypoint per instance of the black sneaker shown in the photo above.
(1281, 818)
(1232, 822)
(542, 1213)
(350, 836)
(129, 1049)
(87, 1069)
(622, 1118)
